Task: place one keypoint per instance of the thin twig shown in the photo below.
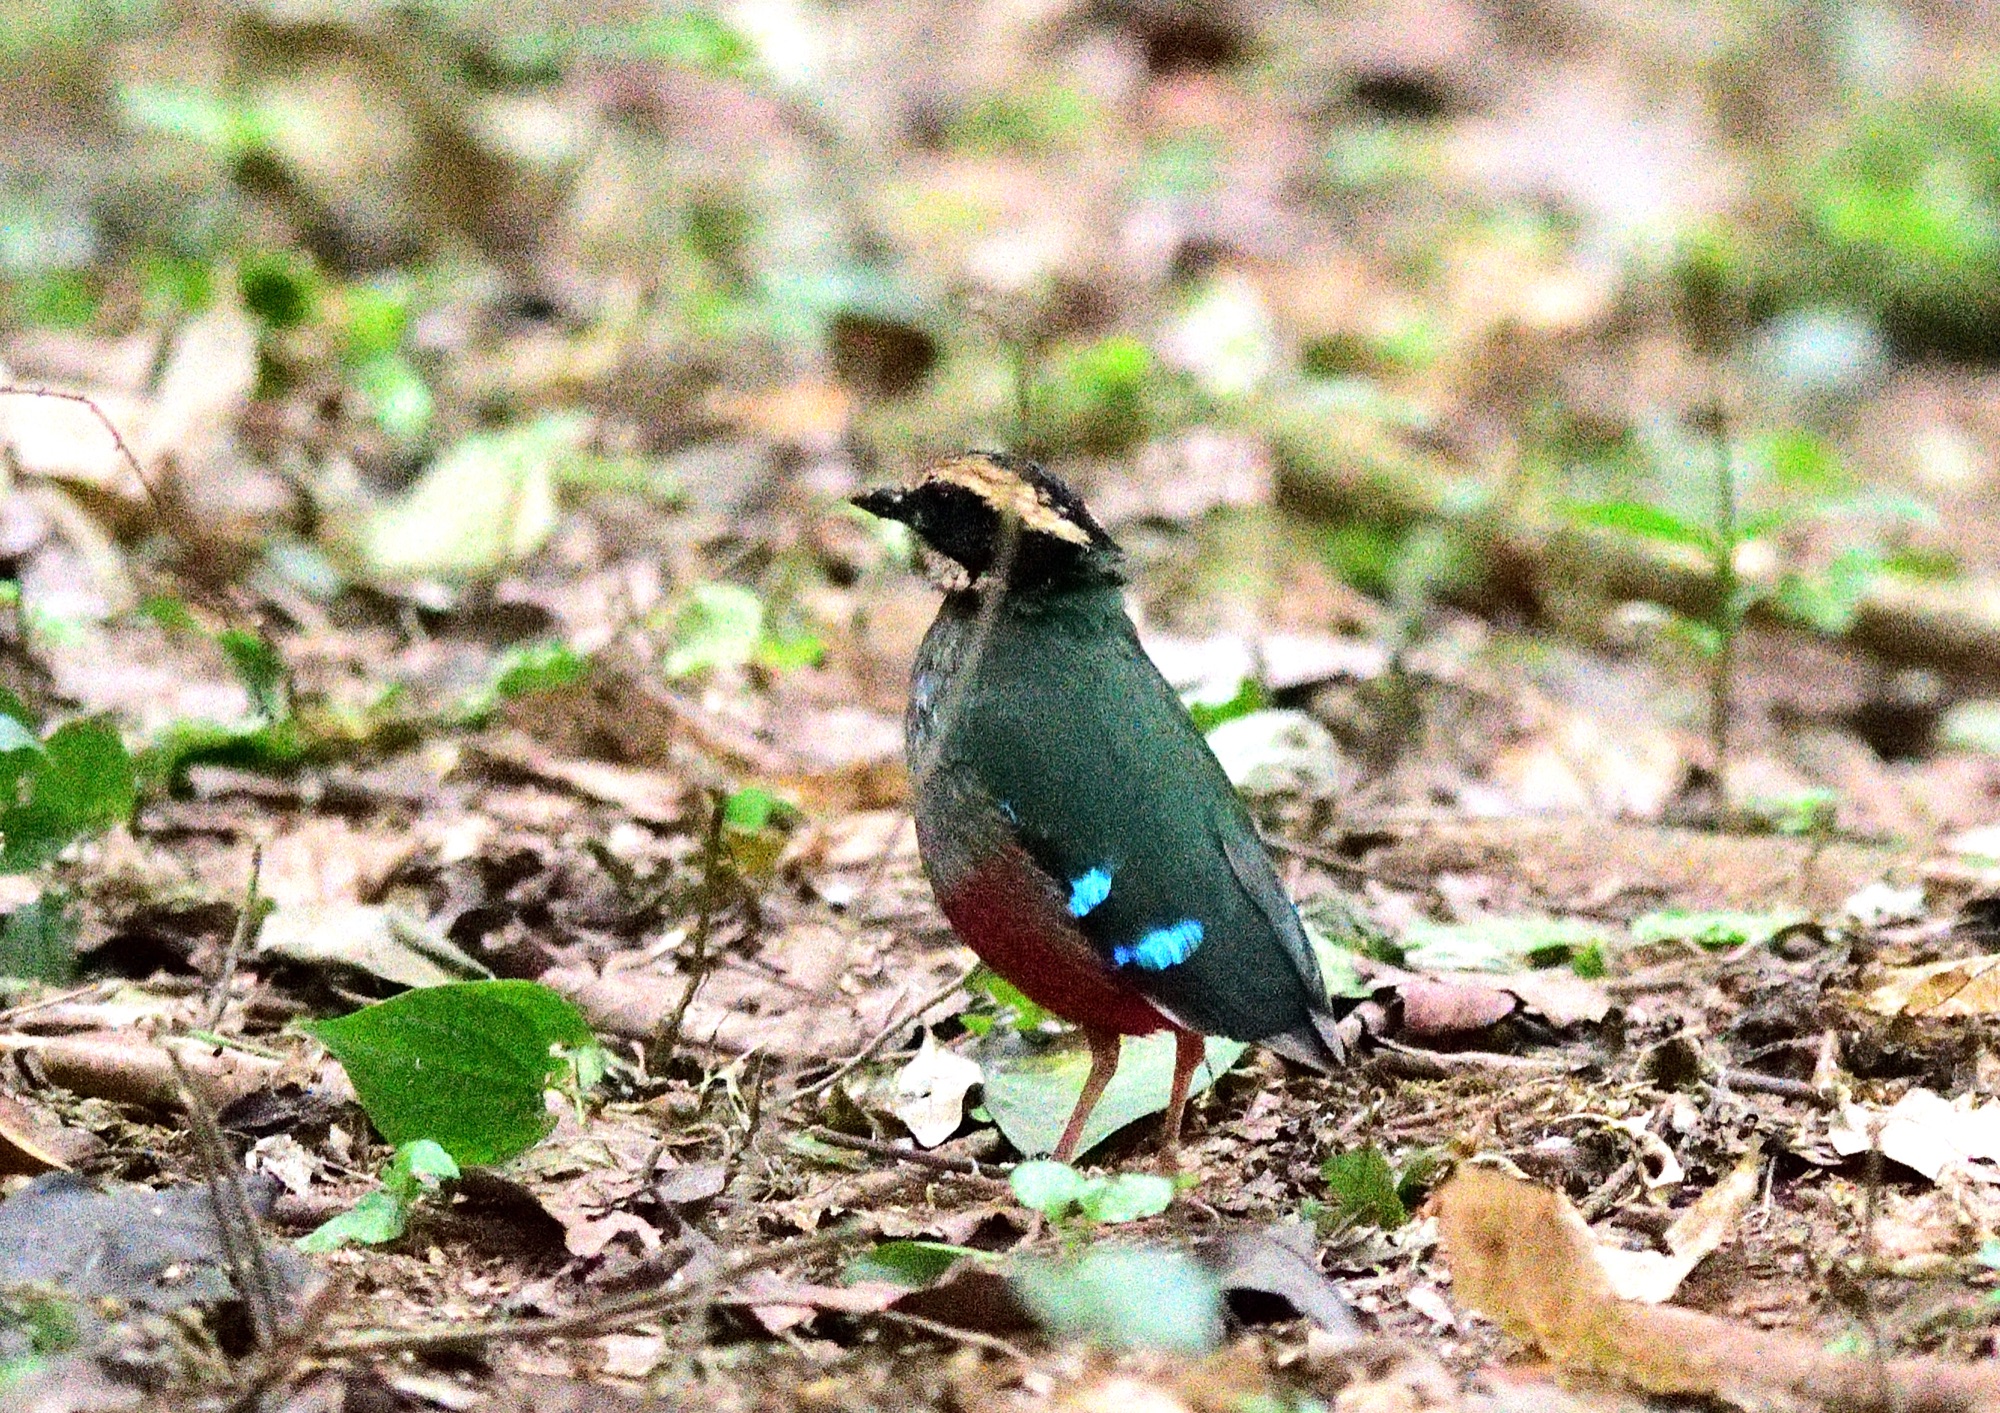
(13, 1013)
(897, 1021)
(237, 1229)
(592, 1320)
(248, 921)
(697, 962)
(942, 1162)
(117, 437)
(975, 1338)
(1408, 1062)
(1751, 1082)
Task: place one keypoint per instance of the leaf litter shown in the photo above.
(604, 700)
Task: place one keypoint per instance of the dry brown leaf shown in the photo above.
(1652, 1277)
(1438, 1008)
(1521, 1255)
(133, 1068)
(1926, 1133)
(29, 1144)
(1964, 986)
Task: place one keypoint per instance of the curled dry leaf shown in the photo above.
(930, 1092)
(30, 1144)
(1964, 986)
(1521, 1255)
(1926, 1133)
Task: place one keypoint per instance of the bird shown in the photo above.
(1077, 831)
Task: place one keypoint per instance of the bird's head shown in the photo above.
(985, 511)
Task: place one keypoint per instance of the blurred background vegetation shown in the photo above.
(1635, 331)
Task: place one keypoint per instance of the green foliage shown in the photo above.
(998, 1000)
(271, 737)
(1249, 697)
(1896, 216)
(56, 788)
(1065, 1196)
(38, 942)
(756, 825)
(1715, 931)
(1038, 120)
(280, 287)
(42, 1320)
(1097, 396)
(1030, 1091)
(726, 625)
(1363, 1188)
(1127, 1298)
(416, 1170)
(465, 1065)
(1497, 944)
(523, 670)
(225, 126)
(912, 1264)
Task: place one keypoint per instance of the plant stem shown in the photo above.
(1728, 615)
(697, 962)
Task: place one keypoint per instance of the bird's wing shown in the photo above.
(1108, 786)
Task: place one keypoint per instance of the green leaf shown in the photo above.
(720, 625)
(396, 396)
(1799, 462)
(418, 1167)
(1127, 1298)
(525, 670)
(260, 669)
(1647, 522)
(414, 1171)
(82, 781)
(1031, 1095)
(1007, 999)
(1498, 944)
(1046, 1187)
(1715, 931)
(915, 1264)
(1364, 1188)
(695, 38)
(1249, 697)
(486, 503)
(38, 942)
(379, 1217)
(751, 809)
(464, 1065)
(1126, 1197)
(225, 126)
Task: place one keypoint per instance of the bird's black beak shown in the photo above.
(889, 502)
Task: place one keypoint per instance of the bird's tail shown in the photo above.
(1323, 1043)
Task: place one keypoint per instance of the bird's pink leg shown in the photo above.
(1103, 1064)
(1188, 1050)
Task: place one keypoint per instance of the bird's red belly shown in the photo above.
(1006, 914)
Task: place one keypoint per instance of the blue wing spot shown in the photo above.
(1161, 948)
(1087, 890)
(1007, 812)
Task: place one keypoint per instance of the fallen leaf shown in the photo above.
(1030, 1095)
(930, 1092)
(30, 1144)
(1926, 1133)
(1521, 1255)
(1652, 1277)
(1964, 986)
(388, 942)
